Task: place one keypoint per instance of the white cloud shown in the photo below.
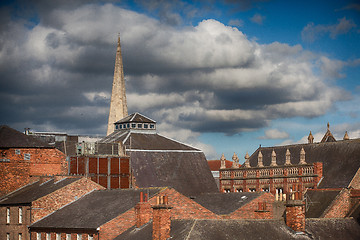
(274, 134)
(258, 18)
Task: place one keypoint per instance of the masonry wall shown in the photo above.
(19, 167)
(340, 207)
(14, 227)
(259, 208)
(57, 199)
(52, 235)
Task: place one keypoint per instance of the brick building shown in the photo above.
(114, 211)
(159, 161)
(27, 205)
(24, 159)
(328, 164)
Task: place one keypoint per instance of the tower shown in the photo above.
(118, 106)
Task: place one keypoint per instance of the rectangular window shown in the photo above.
(58, 236)
(20, 236)
(90, 237)
(68, 236)
(139, 125)
(8, 236)
(78, 236)
(7, 215)
(17, 151)
(38, 236)
(145, 126)
(20, 215)
(48, 236)
(133, 125)
(27, 156)
(152, 126)
(128, 125)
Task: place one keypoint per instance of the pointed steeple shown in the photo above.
(328, 137)
(310, 138)
(346, 136)
(118, 105)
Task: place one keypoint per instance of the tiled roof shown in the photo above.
(340, 159)
(11, 138)
(94, 209)
(34, 191)
(249, 229)
(215, 164)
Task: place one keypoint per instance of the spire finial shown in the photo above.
(328, 125)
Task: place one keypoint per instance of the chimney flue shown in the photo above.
(161, 219)
(142, 211)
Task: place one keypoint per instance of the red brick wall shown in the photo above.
(161, 222)
(55, 200)
(340, 207)
(14, 227)
(118, 225)
(295, 215)
(19, 172)
(259, 208)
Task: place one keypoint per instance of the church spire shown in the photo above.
(118, 106)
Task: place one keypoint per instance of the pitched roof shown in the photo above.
(317, 201)
(94, 209)
(221, 203)
(340, 159)
(215, 164)
(32, 192)
(137, 118)
(250, 229)
(11, 138)
(187, 172)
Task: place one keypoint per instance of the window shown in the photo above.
(68, 236)
(48, 236)
(20, 236)
(128, 125)
(8, 236)
(38, 236)
(145, 125)
(7, 215)
(58, 236)
(78, 236)
(90, 237)
(17, 151)
(20, 215)
(116, 126)
(139, 125)
(133, 125)
(27, 156)
(152, 126)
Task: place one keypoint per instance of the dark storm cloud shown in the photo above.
(57, 74)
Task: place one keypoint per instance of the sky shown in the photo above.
(222, 76)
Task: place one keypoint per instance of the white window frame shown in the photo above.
(27, 156)
(20, 215)
(48, 236)
(7, 236)
(20, 236)
(78, 236)
(7, 215)
(58, 236)
(68, 236)
(90, 237)
(38, 236)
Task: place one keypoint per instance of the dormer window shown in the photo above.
(145, 125)
(152, 126)
(133, 125)
(139, 125)
(128, 125)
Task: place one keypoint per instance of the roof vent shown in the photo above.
(244, 197)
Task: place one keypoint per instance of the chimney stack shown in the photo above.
(142, 210)
(161, 219)
(295, 210)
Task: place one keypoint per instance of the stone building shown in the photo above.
(24, 159)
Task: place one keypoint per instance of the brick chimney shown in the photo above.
(142, 210)
(295, 211)
(161, 219)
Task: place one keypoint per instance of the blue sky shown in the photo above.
(224, 76)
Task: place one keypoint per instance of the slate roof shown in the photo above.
(340, 159)
(93, 210)
(136, 118)
(317, 201)
(158, 161)
(32, 192)
(11, 138)
(249, 229)
(221, 203)
(187, 172)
